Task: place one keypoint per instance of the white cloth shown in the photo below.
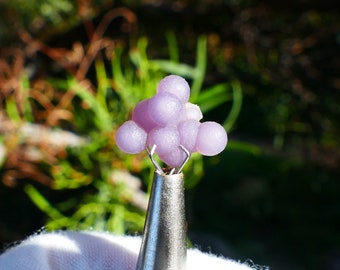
(65, 250)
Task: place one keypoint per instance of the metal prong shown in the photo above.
(187, 153)
(172, 171)
(158, 168)
(151, 153)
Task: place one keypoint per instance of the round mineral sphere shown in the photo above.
(175, 158)
(166, 139)
(175, 85)
(141, 116)
(188, 130)
(165, 109)
(211, 139)
(131, 138)
(192, 111)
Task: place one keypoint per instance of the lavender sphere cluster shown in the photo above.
(168, 120)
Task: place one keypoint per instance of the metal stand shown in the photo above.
(164, 241)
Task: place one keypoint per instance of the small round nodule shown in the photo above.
(175, 158)
(175, 85)
(165, 109)
(166, 139)
(131, 138)
(211, 139)
(188, 131)
(141, 115)
(192, 111)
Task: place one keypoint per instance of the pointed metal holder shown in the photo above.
(164, 240)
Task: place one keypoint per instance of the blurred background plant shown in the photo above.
(72, 71)
(58, 128)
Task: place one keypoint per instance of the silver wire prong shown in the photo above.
(187, 153)
(151, 153)
(172, 171)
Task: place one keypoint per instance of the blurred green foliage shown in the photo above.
(89, 167)
(45, 17)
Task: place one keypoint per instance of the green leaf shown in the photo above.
(244, 147)
(12, 110)
(213, 97)
(236, 106)
(102, 117)
(40, 201)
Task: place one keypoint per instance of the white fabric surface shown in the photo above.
(67, 250)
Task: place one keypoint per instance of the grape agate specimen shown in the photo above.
(168, 121)
(175, 85)
(166, 139)
(165, 108)
(131, 138)
(141, 116)
(211, 139)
